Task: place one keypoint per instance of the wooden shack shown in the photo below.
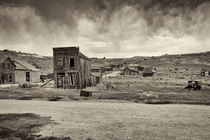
(71, 68)
(96, 74)
(205, 72)
(17, 71)
(148, 72)
(129, 71)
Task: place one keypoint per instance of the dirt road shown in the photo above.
(117, 120)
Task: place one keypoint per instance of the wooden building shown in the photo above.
(137, 67)
(71, 68)
(148, 72)
(129, 71)
(96, 74)
(17, 71)
(205, 72)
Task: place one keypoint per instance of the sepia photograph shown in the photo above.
(104, 69)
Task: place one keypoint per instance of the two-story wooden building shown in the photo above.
(71, 68)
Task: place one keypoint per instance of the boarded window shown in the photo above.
(60, 62)
(28, 76)
(71, 62)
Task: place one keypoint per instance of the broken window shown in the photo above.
(71, 62)
(60, 62)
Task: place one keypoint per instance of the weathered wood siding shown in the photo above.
(70, 77)
(7, 74)
(20, 76)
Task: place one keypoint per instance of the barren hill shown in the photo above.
(183, 61)
(197, 60)
(44, 63)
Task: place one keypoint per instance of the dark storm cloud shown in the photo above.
(112, 24)
(68, 11)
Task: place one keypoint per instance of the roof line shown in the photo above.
(22, 65)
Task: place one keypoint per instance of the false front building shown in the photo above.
(71, 68)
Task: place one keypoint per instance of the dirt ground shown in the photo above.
(119, 120)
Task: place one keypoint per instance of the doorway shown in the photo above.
(73, 79)
(60, 80)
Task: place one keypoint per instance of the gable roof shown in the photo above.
(3, 57)
(133, 65)
(131, 69)
(23, 65)
(19, 64)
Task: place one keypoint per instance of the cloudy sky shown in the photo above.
(111, 28)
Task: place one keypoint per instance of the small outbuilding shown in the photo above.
(148, 72)
(205, 72)
(96, 74)
(129, 71)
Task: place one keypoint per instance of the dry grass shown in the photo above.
(24, 126)
(21, 126)
(158, 89)
(118, 120)
(37, 93)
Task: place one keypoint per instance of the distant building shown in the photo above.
(136, 67)
(129, 71)
(107, 68)
(148, 72)
(71, 68)
(17, 71)
(205, 72)
(96, 74)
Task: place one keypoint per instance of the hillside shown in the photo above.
(183, 61)
(44, 63)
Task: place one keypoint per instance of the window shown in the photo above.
(3, 66)
(60, 62)
(28, 76)
(71, 62)
(10, 78)
(8, 66)
(3, 78)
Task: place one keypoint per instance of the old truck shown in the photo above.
(194, 85)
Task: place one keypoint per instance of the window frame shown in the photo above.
(60, 60)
